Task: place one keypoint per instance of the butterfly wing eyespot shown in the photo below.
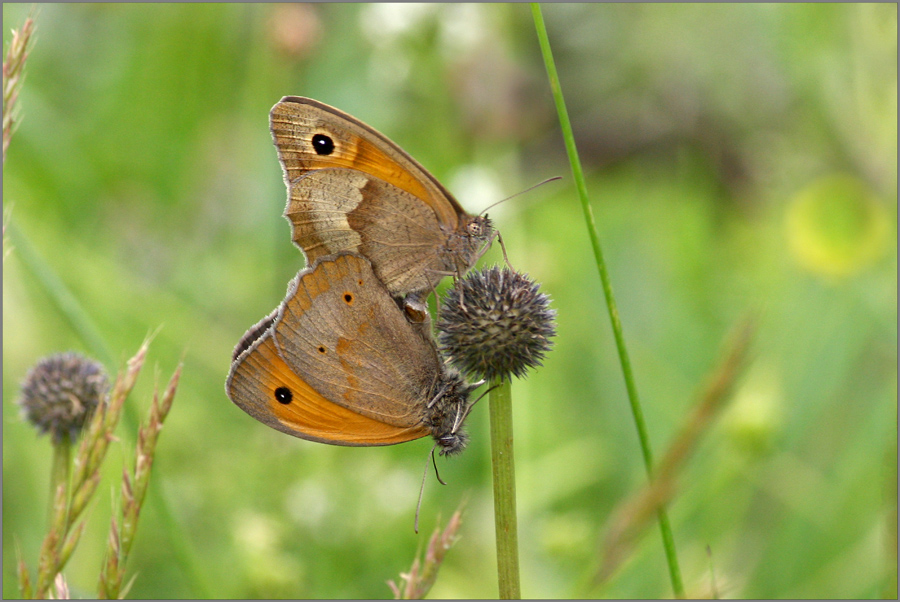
(283, 395)
(323, 144)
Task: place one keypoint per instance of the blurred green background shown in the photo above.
(739, 157)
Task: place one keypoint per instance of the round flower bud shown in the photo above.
(60, 392)
(495, 324)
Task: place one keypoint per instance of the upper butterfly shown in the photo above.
(352, 189)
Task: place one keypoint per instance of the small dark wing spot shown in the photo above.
(283, 395)
(348, 298)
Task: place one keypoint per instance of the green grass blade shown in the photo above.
(578, 175)
(61, 297)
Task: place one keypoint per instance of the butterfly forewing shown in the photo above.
(295, 121)
(352, 189)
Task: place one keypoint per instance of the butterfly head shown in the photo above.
(479, 228)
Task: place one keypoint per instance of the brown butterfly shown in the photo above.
(352, 189)
(338, 362)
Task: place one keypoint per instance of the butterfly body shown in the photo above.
(339, 362)
(352, 189)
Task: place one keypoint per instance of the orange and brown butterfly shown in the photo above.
(352, 189)
(338, 362)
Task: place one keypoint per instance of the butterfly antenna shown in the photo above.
(529, 189)
(422, 489)
(496, 233)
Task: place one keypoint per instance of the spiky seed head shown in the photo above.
(496, 324)
(60, 392)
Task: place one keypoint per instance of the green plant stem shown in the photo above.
(59, 473)
(84, 327)
(502, 460)
(578, 175)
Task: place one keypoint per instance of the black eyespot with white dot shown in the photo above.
(323, 144)
(321, 349)
(283, 395)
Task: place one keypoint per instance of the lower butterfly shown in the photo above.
(339, 362)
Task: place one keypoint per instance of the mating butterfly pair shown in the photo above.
(348, 357)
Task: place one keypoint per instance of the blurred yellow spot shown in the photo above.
(837, 227)
(569, 534)
(272, 571)
(756, 415)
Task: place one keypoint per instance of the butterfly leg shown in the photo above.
(456, 278)
(503, 249)
(438, 396)
(487, 245)
(441, 273)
